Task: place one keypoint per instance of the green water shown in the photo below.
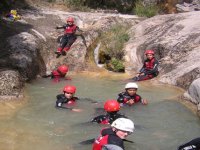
(161, 125)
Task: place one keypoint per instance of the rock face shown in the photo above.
(176, 41)
(10, 83)
(28, 45)
(45, 21)
(24, 54)
(193, 92)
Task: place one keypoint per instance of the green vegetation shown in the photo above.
(145, 10)
(112, 47)
(76, 5)
(118, 65)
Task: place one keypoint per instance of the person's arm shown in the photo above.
(140, 99)
(120, 98)
(142, 70)
(99, 119)
(61, 27)
(78, 29)
(60, 100)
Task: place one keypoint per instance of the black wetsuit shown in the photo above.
(62, 101)
(192, 145)
(125, 97)
(108, 118)
(150, 70)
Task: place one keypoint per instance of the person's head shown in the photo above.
(69, 91)
(131, 88)
(123, 127)
(111, 106)
(63, 69)
(70, 21)
(149, 54)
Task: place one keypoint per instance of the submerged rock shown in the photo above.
(10, 84)
(194, 92)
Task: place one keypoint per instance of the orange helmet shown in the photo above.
(70, 19)
(69, 89)
(149, 52)
(111, 106)
(62, 69)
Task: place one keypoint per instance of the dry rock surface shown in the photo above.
(176, 41)
(28, 45)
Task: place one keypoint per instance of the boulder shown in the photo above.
(176, 42)
(10, 84)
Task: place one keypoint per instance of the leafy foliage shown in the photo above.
(145, 10)
(112, 47)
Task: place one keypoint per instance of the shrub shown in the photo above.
(142, 10)
(113, 41)
(111, 50)
(118, 65)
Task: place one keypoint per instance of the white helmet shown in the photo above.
(123, 124)
(131, 85)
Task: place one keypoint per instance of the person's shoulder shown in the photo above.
(60, 96)
(156, 60)
(76, 98)
(114, 139)
(121, 94)
(107, 131)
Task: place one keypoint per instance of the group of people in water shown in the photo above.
(121, 126)
(111, 138)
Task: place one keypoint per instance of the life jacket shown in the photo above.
(99, 142)
(71, 102)
(127, 97)
(149, 64)
(55, 73)
(106, 121)
(70, 29)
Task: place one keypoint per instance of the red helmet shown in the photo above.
(111, 105)
(70, 19)
(69, 89)
(62, 69)
(149, 52)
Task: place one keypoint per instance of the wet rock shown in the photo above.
(186, 7)
(194, 90)
(10, 84)
(23, 49)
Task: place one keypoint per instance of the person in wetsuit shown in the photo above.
(58, 73)
(130, 96)
(67, 99)
(68, 38)
(112, 108)
(149, 69)
(120, 129)
(192, 145)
